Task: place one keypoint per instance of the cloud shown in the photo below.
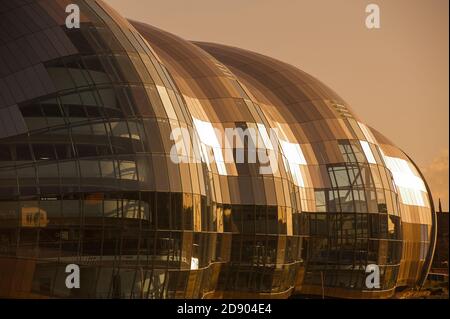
(436, 174)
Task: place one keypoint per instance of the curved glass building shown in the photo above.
(92, 172)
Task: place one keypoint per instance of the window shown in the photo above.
(23, 152)
(163, 210)
(86, 150)
(64, 151)
(5, 153)
(368, 152)
(340, 176)
(44, 152)
(320, 201)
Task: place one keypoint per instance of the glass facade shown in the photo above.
(87, 178)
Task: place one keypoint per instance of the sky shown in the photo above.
(395, 77)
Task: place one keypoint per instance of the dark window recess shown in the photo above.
(103, 150)
(272, 220)
(72, 62)
(56, 63)
(23, 153)
(86, 150)
(123, 149)
(5, 153)
(71, 110)
(93, 63)
(95, 112)
(44, 152)
(260, 219)
(163, 210)
(236, 218)
(177, 210)
(92, 150)
(80, 41)
(52, 110)
(28, 191)
(64, 151)
(31, 110)
(113, 113)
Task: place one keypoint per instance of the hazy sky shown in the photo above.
(395, 78)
